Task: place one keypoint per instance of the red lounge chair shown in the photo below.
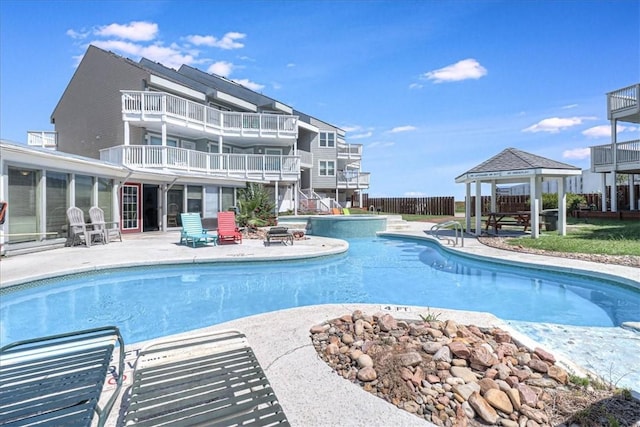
(227, 229)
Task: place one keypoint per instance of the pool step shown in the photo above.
(396, 223)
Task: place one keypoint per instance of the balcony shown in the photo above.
(349, 151)
(151, 109)
(625, 158)
(44, 139)
(624, 104)
(353, 180)
(215, 165)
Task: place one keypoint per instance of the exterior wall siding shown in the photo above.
(88, 116)
(323, 183)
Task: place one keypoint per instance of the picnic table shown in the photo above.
(498, 219)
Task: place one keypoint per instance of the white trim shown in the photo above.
(309, 127)
(282, 107)
(236, 101)
(175, 87)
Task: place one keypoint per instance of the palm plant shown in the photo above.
(255, 206)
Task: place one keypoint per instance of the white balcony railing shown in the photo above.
(243, 166)
(349, 151)
(147, 106)
(624, 101)
(45, 139)
(626, 153)
(353, 179)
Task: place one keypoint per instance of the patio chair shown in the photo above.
(109, 232)
(281, 234)
(58, 380)
(172, 215)
(79, 231)
(212, 379)
(192, 231)
(335, 211)
(227, 228)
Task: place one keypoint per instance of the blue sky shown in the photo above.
(429, 88)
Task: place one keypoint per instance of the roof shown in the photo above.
(512, 159)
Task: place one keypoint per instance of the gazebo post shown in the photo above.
(493, 196)
(478, 207)
(467, 207)
(534, 197)
(562, 208)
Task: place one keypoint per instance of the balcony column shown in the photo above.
(277, 206)
(535, 195)
(127, 136)
(493, 196)
(467, 206)
(632, 193)
(164, 143)
(614, 191)
(603, 191)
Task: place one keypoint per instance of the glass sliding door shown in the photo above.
(57, 201)
(24, 221)
(84, 192)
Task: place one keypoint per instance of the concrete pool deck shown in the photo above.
(308, 390)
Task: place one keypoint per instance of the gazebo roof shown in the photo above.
(512, 163)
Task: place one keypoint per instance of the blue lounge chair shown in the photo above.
(58, 380)
(211, 379)
(192, 231)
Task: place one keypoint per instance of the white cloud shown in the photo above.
(556, 124)
(351, 128)
(221, 68)
(415, 86)
(361, 135)
(568, 107)
(249, 84)
(399, 129)
(291, 65)
(77, 35)
(576, 153)
(227, 42)
(461, 70)
(604, 131)
(135, 30)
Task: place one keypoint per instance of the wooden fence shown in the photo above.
(410, 205)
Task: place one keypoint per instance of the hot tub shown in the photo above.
(346, 226)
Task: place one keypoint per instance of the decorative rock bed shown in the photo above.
(446, 373)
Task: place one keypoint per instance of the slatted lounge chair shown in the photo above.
(278, 234)
(192, 231)
(227, 228)
(58, 380)
(212, 379)
(79, 231)
(110, 230)
(335, 211)
(346, 211)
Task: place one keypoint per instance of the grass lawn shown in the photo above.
(593, 237)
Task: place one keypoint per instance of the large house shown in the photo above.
(623, 105)
(154, 142)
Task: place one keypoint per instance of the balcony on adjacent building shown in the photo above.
(44, 139)
(216, 165)
(349, 151)
(624, 104)
(353, 180)
(152, 109)
(623, 157)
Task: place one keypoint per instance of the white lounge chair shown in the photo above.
(79, 231)
(110, 230)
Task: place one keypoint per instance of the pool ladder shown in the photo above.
(435, 230)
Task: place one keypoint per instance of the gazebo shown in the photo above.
(513, 166)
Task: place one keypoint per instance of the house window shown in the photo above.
(23, 209)
(327, 139)
(194, 199)
(84, 194)
(327, 168)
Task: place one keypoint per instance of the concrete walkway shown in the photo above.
(310, 393)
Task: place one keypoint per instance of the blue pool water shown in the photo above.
(151, 302)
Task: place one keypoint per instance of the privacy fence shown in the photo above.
(410, 205)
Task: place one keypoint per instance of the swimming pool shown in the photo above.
(151, 302)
